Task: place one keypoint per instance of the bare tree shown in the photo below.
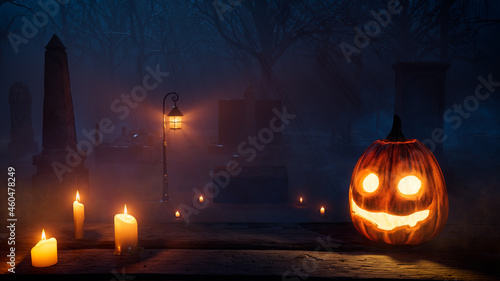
(265, 29)
(429, 30)
(104, 32)
(8, 31)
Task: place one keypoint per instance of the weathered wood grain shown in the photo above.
(280, 263)
(266, 251)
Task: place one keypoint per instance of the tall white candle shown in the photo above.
(78, 216)
(125, 233)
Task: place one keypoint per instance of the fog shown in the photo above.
(308, 54)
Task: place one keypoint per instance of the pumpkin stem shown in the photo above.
(396, 133)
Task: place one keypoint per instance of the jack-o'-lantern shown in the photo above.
(397, 193)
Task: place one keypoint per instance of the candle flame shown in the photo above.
(43, 234)
(77, 196)
(200, 199)
(300, 200)
(177, 214)
(322, 210)
(125, 209)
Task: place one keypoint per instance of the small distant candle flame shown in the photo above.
(177, 214)
(77, 196)
(322, 210)
(300, 200)
(125, 209)
(200, 199)
(43, 234)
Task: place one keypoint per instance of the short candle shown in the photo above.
(125, 233)
(45, 252)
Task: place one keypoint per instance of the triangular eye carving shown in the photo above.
(409, 185)
(370, 183)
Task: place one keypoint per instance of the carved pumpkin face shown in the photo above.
(397, 193)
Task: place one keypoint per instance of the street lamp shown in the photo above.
(175, 119)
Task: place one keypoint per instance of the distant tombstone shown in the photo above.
(420, 98)
(60, 166)
(21, 128)
(239, 119)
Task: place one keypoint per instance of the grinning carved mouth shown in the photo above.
(386, 221)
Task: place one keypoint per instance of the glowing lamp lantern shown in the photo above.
(175, 118)
(397, 193)
(78, 216)
(45, 252)
(175, 123)
(125, 234)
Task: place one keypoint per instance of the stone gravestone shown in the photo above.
(60, 168)
(260, 182)
(21, 128)
(420, 97)
(241, 118)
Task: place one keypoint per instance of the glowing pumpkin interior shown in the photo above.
(397, 193)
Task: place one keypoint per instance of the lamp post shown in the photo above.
(175, 118)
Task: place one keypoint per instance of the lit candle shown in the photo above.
(200, 199)
(45, 252)
(322, 211)
(301, 201)
(78, 217)
(125, 233)
(177, 214)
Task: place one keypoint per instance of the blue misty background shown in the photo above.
(288, 50)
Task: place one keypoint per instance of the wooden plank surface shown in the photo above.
(279, 263)
(223, 251)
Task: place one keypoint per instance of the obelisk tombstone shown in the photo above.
(60, 167)
(21, 127)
